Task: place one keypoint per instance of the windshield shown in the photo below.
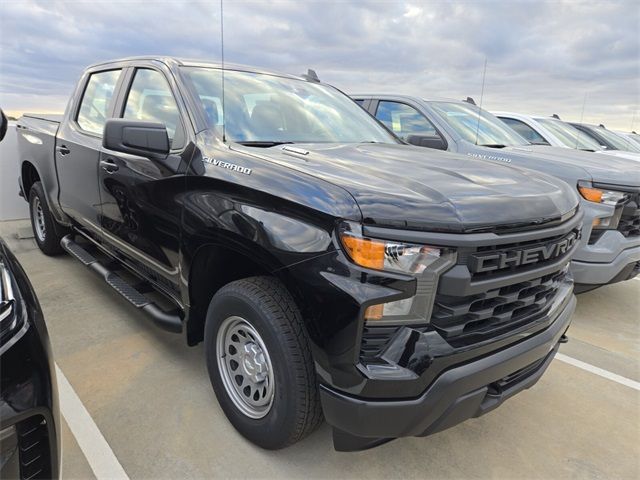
(266, 110)
(617, 141)
(569, 135)
(469, 122)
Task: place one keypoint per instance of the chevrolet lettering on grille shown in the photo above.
(479, 263)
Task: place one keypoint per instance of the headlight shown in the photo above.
(612, 198)
(425, 262)
(599, 195)
(385, 255)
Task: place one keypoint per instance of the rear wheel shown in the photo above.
(45, 230)
(260, 363)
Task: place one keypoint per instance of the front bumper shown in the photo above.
(462, 392)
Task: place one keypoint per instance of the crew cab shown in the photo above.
(609, 187)
(330, 269)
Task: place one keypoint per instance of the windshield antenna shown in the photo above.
(224, 116)
(484, 74)
(584, 102)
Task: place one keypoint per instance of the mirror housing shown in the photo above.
(4, 123)
(145, 139)
(429, 141)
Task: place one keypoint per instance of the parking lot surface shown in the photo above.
(150, 398)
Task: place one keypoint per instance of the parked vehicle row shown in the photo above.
(609, 188)
(553, 131)
(331, 266)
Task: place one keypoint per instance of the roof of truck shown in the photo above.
(405, 97)
(185, 62)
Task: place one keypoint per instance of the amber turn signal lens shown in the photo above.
(364, 252)
(591, 194)
(374, 312)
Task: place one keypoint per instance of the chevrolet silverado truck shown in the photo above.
(609, 187)
(330, 270)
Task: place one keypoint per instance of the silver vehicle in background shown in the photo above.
(556, 133)
(609, 186)
(608, 139)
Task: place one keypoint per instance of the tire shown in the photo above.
(262, 309)
(46, 231)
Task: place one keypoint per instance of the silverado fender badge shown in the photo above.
(227, 165)
(489, 157)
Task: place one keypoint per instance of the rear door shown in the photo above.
(78, 145)
(140, 198)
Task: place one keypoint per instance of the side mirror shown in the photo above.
(429, 141)
(4, 123)
(146, 139)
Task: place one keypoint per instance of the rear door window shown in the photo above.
(94, 107)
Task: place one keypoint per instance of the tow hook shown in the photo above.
(563, 339)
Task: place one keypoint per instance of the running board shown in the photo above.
(165, 320)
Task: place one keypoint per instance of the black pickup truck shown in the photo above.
(330, 269)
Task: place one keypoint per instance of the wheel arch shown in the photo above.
(213, 266)
(28, 176)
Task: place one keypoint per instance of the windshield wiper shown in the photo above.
(263, 143)
(493, 145)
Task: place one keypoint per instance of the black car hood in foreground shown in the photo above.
(412, 187)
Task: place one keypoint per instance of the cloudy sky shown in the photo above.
(543, 57)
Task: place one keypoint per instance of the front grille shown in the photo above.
(474, 318)
(33, 443)
(547, 248)
(629, 224)
(486, 292)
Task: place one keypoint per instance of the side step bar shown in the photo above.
(165, 320)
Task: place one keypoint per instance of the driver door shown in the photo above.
(140, 207)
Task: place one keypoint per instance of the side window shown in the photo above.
(94, 106)
(404, 120)
(525, 131)
(150, 100)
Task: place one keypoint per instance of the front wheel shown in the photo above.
(260, 364)
(45, 230)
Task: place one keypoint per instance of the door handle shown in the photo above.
(63, 150)
(108, 166)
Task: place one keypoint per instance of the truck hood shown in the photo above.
(413, 187)
(596, 166)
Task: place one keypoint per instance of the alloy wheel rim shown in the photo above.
(245, 367)
(38, 219)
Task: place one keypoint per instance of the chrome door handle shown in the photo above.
(63, 150)
(108, 166)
